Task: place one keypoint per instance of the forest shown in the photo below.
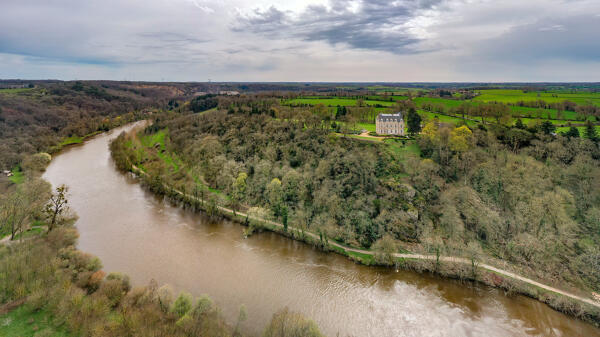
(42, 118)
(504, 192)
(47, 286)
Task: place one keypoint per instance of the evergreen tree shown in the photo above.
(547, 127)
(413, 121)
(519, 124)
(590, 131)
(284, 218)
(573, 132)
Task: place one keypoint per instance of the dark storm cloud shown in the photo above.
(375, 25)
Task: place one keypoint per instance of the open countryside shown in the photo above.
(302, 168)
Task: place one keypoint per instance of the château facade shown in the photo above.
(390, 124)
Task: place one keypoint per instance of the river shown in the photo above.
(134, 232)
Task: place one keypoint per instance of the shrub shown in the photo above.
(182, 305)
(122, 278)
(63, 237)
(286, 324)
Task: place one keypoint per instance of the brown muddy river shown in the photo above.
(138, 234)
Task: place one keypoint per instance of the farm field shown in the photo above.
(448, 103)
(332, 102)
(526, 114)
(14, 90)
(543, 113)
(580, 128)
(514, 96)
(446, 119)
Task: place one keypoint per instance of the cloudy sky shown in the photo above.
(294, 40)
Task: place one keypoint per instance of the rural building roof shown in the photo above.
(396, 117)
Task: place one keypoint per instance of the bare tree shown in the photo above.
(57, 206)
(20, 206)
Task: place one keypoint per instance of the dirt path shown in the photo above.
(367, 135)
(431, 257)
(406, 256)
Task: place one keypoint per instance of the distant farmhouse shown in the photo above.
(390, 124)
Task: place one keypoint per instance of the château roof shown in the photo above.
(395, 117)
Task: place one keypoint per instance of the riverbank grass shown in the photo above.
(18, 176)
(24, 321)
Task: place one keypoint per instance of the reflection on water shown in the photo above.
(134, 232)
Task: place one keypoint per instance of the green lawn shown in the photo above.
(77, 139)
(18, 176)
(34, 231)
(71, 140)
(401, 149)
(23, 322)
(153, 139)
(165, 156)
(366, 126)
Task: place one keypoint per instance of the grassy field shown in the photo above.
(448, 103)
(34, 231)
(152, 140)
(447, 119)
(543, 113)
(580, 128)
(402, 149)
(23, 322)
(14, 91)
(527, 115)
(18, 176)
(77, 139)
(71, 140)
(514, 96)
(366, 126)
(384, 99)
(334, 102)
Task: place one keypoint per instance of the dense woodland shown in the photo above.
(38, 119)
(44, 280)
(509, 192)
(498, 190)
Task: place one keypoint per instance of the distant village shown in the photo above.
(222, 92)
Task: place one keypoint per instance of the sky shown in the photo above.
(301, 41)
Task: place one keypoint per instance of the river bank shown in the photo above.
(445, 266)
(133, 231)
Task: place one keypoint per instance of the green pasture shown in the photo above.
(25, 321)
(448, 103)
(580, 128)
(446, 119)
(14, 91)
(514, 96)
(159, 138)
(332, 102)
(71, 140)
(544, 113)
